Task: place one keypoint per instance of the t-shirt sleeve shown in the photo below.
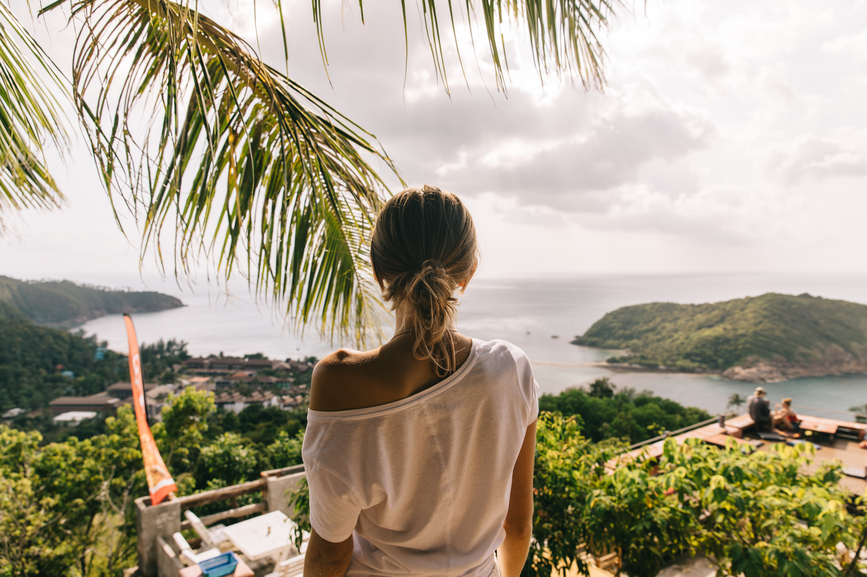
(334, 508)
(527, 383)
(533, 413)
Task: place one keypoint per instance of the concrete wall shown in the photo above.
(161, 520)
(279, 493)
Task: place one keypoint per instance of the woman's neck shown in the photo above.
(403, 324)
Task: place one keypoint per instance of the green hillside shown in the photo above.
(716, 336)
(67, 303)
(33, 357)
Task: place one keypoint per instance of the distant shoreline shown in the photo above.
(759, 372)
(65, 305)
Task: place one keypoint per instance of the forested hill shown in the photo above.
(768, 338)
(66, 303)
(32, 359)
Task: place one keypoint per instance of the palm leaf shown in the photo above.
(563, 34)
(29, 116)
(229, 159)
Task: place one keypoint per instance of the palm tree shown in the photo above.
(736, 400)
(234, 160)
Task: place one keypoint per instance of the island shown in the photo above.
(764, 339)
(67, 304)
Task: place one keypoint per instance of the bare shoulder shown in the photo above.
(335, 377)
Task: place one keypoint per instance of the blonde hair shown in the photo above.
(423, 249)
(787, 401)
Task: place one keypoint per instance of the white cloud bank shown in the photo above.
(732, 136)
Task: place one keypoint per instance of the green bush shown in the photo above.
(608, 412)
(754, 514)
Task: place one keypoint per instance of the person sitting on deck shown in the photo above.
(785, 419)
(759, 409)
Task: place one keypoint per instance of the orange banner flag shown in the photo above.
(160, 482)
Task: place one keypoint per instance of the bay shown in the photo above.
(540, 315)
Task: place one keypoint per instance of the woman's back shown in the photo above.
(419, 454)
(425, 481)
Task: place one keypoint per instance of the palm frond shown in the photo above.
(30, 117)
(230, 158)
(563, 34)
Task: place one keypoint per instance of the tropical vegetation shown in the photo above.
(38, 364)
(756, 515)
(606, 412)
(68, 505)
(66, 508)
(718, 336)
(64, 302)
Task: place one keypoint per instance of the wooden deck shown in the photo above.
(741, 428)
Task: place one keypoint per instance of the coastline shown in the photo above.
(758, 372)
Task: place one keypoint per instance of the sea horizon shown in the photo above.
(539, 314)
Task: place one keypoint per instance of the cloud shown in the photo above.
(571, 169)
(848, 45)
(818, 159)
(725, 216)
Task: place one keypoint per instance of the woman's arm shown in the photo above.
(512, 554)
(326, 559)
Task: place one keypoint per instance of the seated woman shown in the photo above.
(785, 419)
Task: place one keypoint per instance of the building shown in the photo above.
(100, 403)
(249, 378)
(200, 383)
(236, 402)
(121, 390)
(215, 364)
(12, 413)
(289, 402)
(259, 364)
(226, 364)
(74, 417)
(299, 366)
(156, 400)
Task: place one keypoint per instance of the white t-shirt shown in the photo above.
(422, 484)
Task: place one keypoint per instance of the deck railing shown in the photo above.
(158, 554)
(668, 434)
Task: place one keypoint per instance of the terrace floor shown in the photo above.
(847, 452)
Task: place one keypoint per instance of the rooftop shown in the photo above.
(236, 397)
(98, 399)
(74, 416)
(126, 386)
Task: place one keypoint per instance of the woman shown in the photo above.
(419, 454)
(785, 419)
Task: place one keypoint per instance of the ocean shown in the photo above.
(540, 315)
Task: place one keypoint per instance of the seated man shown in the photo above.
(759, 409)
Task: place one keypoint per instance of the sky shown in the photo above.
(730, 137)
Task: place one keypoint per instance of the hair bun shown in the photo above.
(423, 249)
(432, 266)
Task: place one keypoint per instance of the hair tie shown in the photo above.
(429, 265)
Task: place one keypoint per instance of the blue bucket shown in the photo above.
(219, 566)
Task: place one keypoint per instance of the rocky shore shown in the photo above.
(834, 362)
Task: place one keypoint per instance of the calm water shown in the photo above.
(529, 313)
